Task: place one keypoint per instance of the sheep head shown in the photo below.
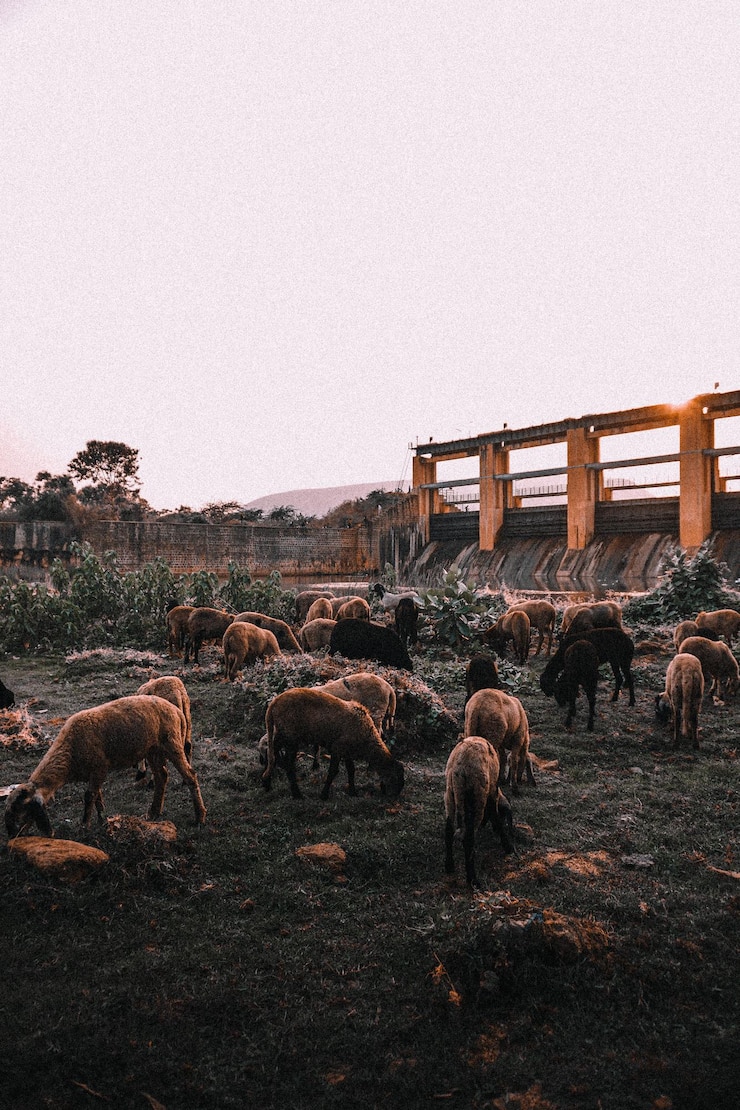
(24, 806)
(392, 779)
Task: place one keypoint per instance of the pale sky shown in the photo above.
(271, 243)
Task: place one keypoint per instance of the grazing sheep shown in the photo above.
(303, 717)
(305, 599)
(480, 674)
(370, 690)
(96, 741)
(501, 719)
(685, 629)
(717, 663)
(358, 639)
(406, 620)
(723, 622)
(542, 616)
(316, 634)
(244, 644)
(355, 607)
(7, 697)
(580, 668)
(281, 630)
(320, 608)
(614, 647)
(514, 625)
(177, 628)
(173, 689)
(682, 697)
(205, 624)
(473, 797)
(389, 600)
(583, 617)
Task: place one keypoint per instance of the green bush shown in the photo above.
(687, 585)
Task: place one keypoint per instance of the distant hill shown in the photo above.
(319, 502)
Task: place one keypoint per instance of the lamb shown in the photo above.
(584, 617)
(480, 674)
(514, 625)
(305, 599)
(501, 719)
(177, 627)
(723, 622)
(359, 639)
(281, 630)
(7, 697)
(473, 797)
(717, 663)
(542, 616)
(244, 644)
(353, 607)
(316, 634)
(173, 689)
(580, 668)
(96, 741)
(302, 717)
(205, 624)
(613, 645)
(681, 700)
(319, 609)
(406, 620)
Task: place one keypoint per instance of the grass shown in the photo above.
(596, 969)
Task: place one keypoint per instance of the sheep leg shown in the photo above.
(159, 771)
(295, 789)
(591, 696)
(449, 839)
(617, 681)
(331, 774)
(189, 777)
(92, 795)
(468, 848)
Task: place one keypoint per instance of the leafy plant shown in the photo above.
(454, 609)
(687, 585)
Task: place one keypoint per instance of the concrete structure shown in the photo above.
(699, 479)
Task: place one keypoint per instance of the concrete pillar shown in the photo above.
(696, 434)
(425, 470)
(583, 487)
(494, 496)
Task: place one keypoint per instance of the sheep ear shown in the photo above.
(37, 812)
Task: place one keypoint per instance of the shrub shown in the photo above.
(687, 585)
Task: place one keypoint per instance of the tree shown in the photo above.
(112, 467)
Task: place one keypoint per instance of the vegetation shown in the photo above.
(688, 584)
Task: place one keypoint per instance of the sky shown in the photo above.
(272, 244)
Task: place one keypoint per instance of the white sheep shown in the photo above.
(389, 600)
(304, 717)
(501, 719)
(244, 644)
(316, 634)
(682, 697)
(107, 738)
(717, 663)
(473, 797)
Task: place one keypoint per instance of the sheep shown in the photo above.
(355, 607)
(205, 624)
(281, 630)
(480, 674)
(302, 716)
(338, 602)
(305, 599)
(389, 600)
(501, 719)
(243, 644)
(473, 797)
(7, 697)
(107, 738)
(723, 622)
(320, 608)
(580, 668)
(542, 616)
(316, 634)
(406, 620)
(583, 617)
(681, 700)
(359, 639)
(613, 645)
(173, 689)
(717, 663)
(685, 629)
(514, 625)
(177, 626)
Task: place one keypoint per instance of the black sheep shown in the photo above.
(407, 620)
(480, 674)
(360, 639)
(581, 669)
(7, 697)
(613, 646)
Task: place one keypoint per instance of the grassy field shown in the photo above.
(596, 968)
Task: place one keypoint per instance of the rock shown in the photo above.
(60, 859)
(124, 828)
(330, 856)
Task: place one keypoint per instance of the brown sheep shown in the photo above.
(723, 622)
(682, 697)
(173, 689)
(107, 738)
(305, 599)
(177, 627)
(501, 719)
(542, 616)
(281, 630)
(598, 614)
(355, 607)
(205, 625)
(370, 690)
(320, 609)
(515, 626)
(717, 663)
(473, 797)
(304, 717)
(316, 634)
(480, 674)
(244, 644)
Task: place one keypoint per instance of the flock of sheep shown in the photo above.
(352, 718)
